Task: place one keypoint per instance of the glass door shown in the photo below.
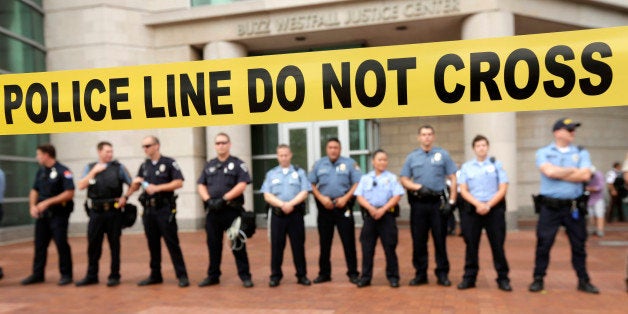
(307, 141)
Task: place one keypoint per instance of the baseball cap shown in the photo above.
(565, 123)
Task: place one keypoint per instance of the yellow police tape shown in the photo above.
(576, 69)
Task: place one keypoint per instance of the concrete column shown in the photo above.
(499, 128)
(240, 134)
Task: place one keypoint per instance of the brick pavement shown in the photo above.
(606, 263)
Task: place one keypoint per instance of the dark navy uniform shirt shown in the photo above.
(221, 176)
(50, 182)
(165, 170)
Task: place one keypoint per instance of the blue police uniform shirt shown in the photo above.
(122, 173)
(285, 183)
(165, 170)
(571, 157)
(3, 185)
(482, 178)
(221, 176)
(334, 179)
(50, 182)
(429, 168)
(377, 190)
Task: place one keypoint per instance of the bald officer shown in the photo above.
(285, 190)
(423, 174)
(334, 179)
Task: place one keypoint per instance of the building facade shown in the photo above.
(97, 33)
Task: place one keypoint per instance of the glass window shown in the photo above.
(260, 167)
(206, 2)
(18, 57)
(22, 19)
(264, 139)
(326, 134)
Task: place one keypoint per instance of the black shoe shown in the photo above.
(209, 282)
(418, 281)
(273, 283)
(150, 281)
(586, 286)
(247, 283)
(466, 284)
(443, 281)
(184, 281)
(87, 281)
(354, 279)
(504, 285)
(1, 273)
(65, 280)
(112, 282)
(304, 281)
(363, 283)
(394, 283)
(321, 279)
(32, 279)
(536, 285)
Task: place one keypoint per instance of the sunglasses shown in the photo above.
(222, 143)
(147, 145)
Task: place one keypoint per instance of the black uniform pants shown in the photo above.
(293, 226)
(326, 221)
(157, 224)
(425, 215)
(52, 227)
(495, 224)
(215, 225)
(101, 223)
(550, 219)
(615, 207)
(386, 229)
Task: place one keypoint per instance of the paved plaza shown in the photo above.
(606, 262)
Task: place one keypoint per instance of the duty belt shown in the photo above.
(156, 202)
(101, 206)
(556, 202)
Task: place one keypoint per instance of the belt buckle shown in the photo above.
(152, 202)
(105, 206)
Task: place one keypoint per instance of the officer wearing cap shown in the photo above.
(160, 176)
(285, 190)
(51, 203)
(423, 174)
(564, 167)
(378, 194)
(220, 186)
(334, 179)
(483, 184)
(104, 180)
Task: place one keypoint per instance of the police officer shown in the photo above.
(285, 190)
(51, 203)
(334, 179)
(483, 184)
(378, 194)
(423, 174)
(220, 186)
(564, 167)
(160, 176)
(104, 180)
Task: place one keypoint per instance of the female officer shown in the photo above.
(483, 184)
(378, 194)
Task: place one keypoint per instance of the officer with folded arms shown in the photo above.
(564, 167)
(160, 176)
(285, 190)
(220, 186)
(423, 174)
(104, 181)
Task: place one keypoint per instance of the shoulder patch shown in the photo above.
(244, 167)
(67, 174)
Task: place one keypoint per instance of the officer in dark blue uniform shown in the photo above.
(334, 179)
(104, 180)
(220, 186)
(51, 203)
(285, 190)
(423, 174)
(564, 167)
(483, 185)
(160, 176)
(378, 194)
